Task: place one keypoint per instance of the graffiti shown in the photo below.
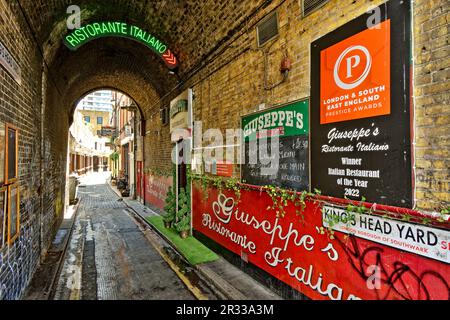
(156, 189)
(321, 265)
(396, 277)
(58, 204)
(17, 264)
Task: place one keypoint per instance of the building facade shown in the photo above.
(259, 59)
(128, 143)
(96, 109)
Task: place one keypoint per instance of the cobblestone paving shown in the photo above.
(108, 253)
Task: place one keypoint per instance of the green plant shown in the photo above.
(219, 182)
(442, 213)
(184, 224)
(184, 205)
(352, 209)
(114, 156)
(183, 220)
(281, 197)
(360, 208)
(158, 172)
(170, 207)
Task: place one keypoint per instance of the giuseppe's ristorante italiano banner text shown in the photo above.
(369, 258)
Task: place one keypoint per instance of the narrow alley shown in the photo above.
(238, 150)
(109, 257)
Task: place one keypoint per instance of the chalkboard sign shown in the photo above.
(11, 154)
(13, 212)
(286, 166)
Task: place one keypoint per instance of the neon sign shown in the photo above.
(91, 31)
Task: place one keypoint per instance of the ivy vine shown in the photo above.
(166, 173)
(218, 182)
(280, 197)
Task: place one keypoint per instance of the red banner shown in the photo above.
(156, 189)
(295, 249)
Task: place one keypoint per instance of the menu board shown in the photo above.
(11, 151)
(13, 211)
(360, 108)
(284, 160)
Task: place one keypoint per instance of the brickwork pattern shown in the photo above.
(20, 106)
(216, 44)
(233, 85)
(432, 97)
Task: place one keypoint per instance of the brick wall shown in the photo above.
(233, 84)
(432, 93)
(157, 145)
(219, 59)
(41, 160)
(20, 106)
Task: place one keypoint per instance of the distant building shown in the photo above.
(97, 101)
(91, 135)
(96, 109)
(128, 163)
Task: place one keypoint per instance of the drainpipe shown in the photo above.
(143, 135)
(41, 155)
(134, 153)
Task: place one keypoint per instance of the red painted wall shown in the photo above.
(139, 179)
(156, 189)
(298, 254)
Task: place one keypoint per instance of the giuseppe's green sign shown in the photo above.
(91, 31)
(285, 121)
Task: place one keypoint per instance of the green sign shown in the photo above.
(91, 31)
(284, 121)
(180, 106)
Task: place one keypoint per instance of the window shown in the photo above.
(13, 213)
(99, 120)
(164, 116)
(11, 159)
(87, 119)
(267, 29)
(309, 6)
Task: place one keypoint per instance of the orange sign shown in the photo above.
(224, 169)
(355, 76)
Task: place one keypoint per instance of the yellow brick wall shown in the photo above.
(232, 85)
(93, 116)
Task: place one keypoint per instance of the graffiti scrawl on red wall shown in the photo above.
(298, 253)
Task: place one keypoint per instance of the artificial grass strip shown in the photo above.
(193, 250)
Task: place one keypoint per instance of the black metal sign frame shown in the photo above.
(382, 176)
